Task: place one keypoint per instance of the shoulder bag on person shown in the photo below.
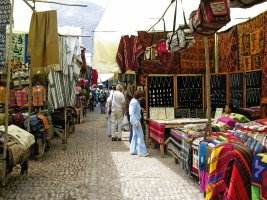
(110, 105)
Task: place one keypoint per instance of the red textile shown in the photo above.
(228, 50)
(129, 53)
(94, 76)
(193, 59)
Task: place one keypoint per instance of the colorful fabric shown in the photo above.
(229, 173)
(251, 43)
(227, 120)
(239, 118)
(19, 47)
(259, 177)
(38, 96)
(21, 98)
(228, 50)
(43, 42)
(193, 59)
(129, 53)
(44, 119)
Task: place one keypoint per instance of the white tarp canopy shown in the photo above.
(126, 17)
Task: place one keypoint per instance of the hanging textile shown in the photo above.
(259, 177)
(264, 77)
(94, 76)
(19, 47)
(2, 49)
(43, 41)
(5, 10)
(251, 43)
(228, 50)
(193, 59)
(38, 95)
(67, 50)
(129, 53)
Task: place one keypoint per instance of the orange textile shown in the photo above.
(38, 95)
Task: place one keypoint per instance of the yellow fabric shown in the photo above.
(43, 42)
(263, 157)
(214, 159)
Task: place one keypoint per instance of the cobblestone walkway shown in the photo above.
(95, 168)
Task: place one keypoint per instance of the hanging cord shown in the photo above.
(174, 23)
(161, 16)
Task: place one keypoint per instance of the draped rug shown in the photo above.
(193, 59)
(251, 43)
(228, 50)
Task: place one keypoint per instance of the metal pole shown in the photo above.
(208, 132)
(8, 56)
(30, 99)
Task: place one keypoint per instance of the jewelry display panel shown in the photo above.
(190, 92)
(160, 91)
(236, 90)
(218, 91)
(253, 88)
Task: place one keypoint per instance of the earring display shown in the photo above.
(253, 88)
(160, 92)
(190, 92)
(236, 90)
(218, 91)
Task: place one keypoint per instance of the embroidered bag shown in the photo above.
(210, 16)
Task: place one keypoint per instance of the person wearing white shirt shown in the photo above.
(108, 110)
(117, 111)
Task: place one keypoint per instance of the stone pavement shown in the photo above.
(95, 168)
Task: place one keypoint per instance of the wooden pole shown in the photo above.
(30, 99)
(216, 53)
(208, 132)
(8, 58)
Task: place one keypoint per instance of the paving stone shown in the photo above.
(92, 167)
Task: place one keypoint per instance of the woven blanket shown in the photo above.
(193, 59)
(251, 43)
(259, 177)
(228, 50)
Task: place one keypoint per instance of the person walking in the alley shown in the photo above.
(108, 110)
(102, 99)
(117, 111)
(137, 146)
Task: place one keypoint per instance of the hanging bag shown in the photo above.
(210, 16)
(182, 37)
(243, 3)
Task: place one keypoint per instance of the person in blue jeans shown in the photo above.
(137, 146)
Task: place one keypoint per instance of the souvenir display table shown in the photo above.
(157, 129)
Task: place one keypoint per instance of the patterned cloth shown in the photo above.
(38, 95)
(193, 59)
(251, 43)
(5, 9)
(129, 53)
(19, 47)
(2, 48)
(228, 50)
(229, 173)
(259, 177)
(21, 97)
